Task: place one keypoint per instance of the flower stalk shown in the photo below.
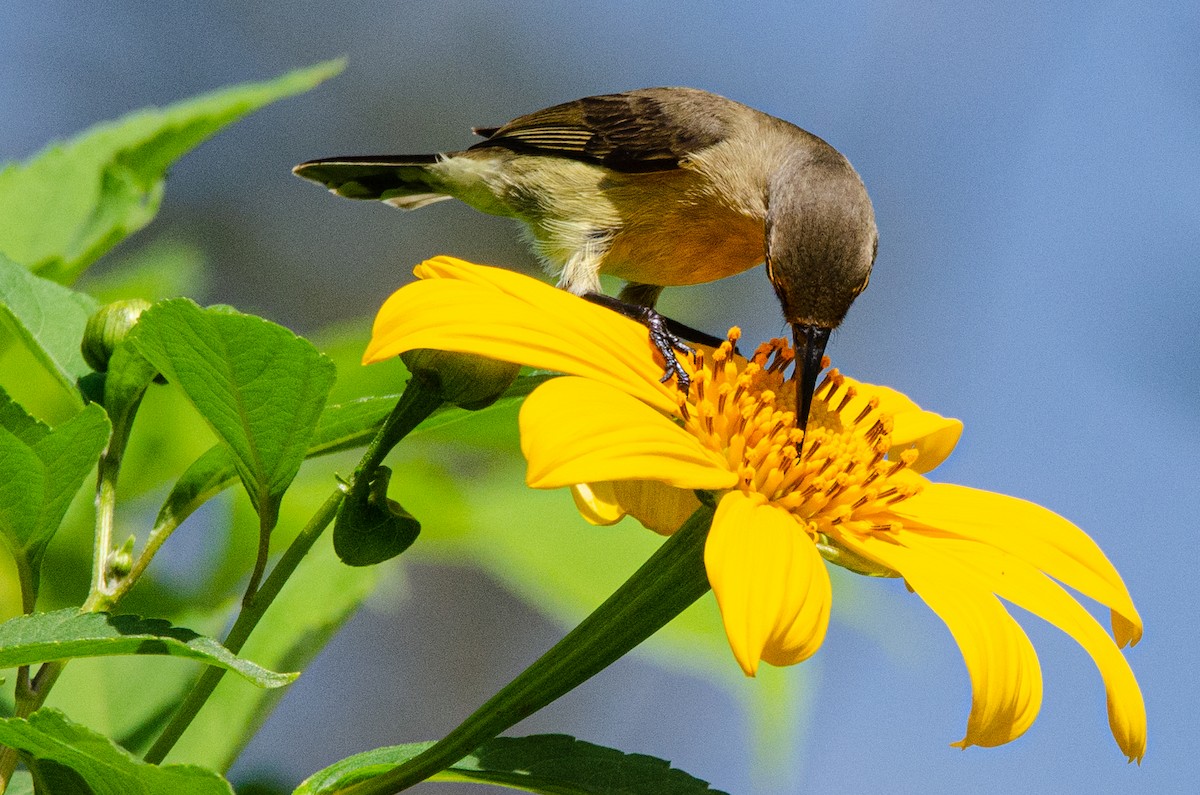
(667, 583)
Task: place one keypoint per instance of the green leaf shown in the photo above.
(555, 764)
(40, 471)
(107, 769)
(353, 424)
(48, 319)
(208, 476)
(57, 779)
(66, 634)
(259, 386)
(75, 200)
(129, 373)
(342, 426)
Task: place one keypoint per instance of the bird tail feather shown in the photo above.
(402, 181)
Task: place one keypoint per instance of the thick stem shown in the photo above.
(251, 613)
(421, 397)
(673, 578)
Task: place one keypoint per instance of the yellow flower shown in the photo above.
(852, 491)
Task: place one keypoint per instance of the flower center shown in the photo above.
(836, 478)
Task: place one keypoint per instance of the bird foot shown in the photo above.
(664, 340)
(667, 343)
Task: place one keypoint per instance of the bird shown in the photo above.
(658, 187)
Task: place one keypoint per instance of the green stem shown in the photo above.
(101, 592)
(673, 578)
(31, 694)
(421, 397)
(158, 537)
(248, 618)
(268, 517)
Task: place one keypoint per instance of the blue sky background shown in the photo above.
(1034, 168)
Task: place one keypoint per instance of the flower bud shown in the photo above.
(120, 561)
(467, 380)
(106, 328)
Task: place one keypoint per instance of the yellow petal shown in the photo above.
(933, 436)
(597, 503)
(474, 309)
(657, 506)
(1045, 540)
(1028, 588)
(770, 583)
(574, 430)
(1006, 680)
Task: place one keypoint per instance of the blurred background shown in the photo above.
(1034, 170)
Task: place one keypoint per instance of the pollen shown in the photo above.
(836, 478)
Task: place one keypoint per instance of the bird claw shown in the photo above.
(667, 344)
(665, 341)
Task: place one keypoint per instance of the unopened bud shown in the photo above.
(106, 328)
(467, 380)
(120, 561)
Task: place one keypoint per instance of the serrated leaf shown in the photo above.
(66, 634)
(106, 768)
(75, 200)
(259, 386)
(48, 319)
(68, 453)
(40, 471)
(555, 764)
(20, 423)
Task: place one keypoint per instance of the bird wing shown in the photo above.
(646, 130)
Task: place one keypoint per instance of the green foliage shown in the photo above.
(48, 319)
(49, 736)
(64, 634)
(260, 387)
(40, 471)
(108, 182)
(554, 764)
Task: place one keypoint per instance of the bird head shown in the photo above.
(820, 246)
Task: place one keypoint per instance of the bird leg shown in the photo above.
(666, 335)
